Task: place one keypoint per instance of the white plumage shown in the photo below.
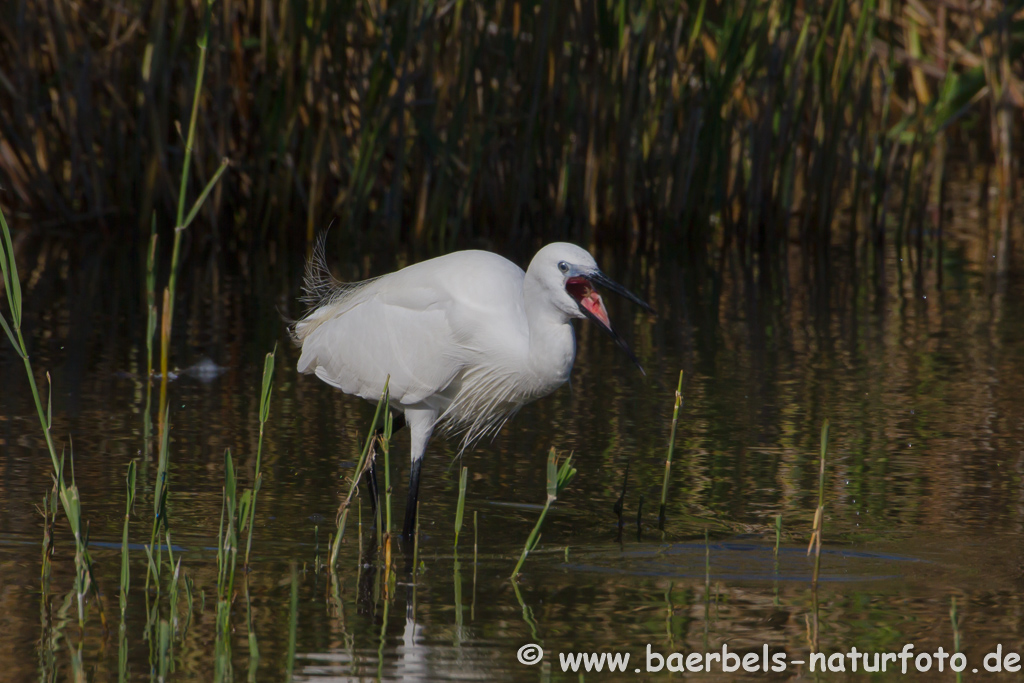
(467, 338)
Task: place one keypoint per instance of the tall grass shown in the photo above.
(671, 450)
(68, 494)
(183, 221)
(249, 497)
(719, 125)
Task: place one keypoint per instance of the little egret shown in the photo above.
(467, 339)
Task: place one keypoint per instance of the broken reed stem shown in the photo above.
(361, 467)
(671, 450)
(819, 514)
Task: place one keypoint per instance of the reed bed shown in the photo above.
(719, 126)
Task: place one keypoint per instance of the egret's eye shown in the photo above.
(563, 266)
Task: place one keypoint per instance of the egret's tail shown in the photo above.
(324, 295)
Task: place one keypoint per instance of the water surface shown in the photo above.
(924, 498)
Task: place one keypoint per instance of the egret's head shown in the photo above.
(568, 274)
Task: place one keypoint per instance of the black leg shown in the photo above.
(371, 489)
(414, 494)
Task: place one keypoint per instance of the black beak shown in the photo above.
(610, 284)
(597, 277)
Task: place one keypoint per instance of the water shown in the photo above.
(924, 497)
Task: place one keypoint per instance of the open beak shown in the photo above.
(581, 288)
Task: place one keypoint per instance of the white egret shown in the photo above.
(467, 338)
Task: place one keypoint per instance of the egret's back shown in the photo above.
(434, 327)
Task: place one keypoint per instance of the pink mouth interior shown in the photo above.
(579, 288)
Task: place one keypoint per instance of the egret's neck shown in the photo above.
(552, 341)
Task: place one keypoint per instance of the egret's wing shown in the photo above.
(403, 332)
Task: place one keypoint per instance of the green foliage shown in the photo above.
(248, 501)
(559, 477)
(129, 504)
(702, 123)
(361, 467)
(461, 505)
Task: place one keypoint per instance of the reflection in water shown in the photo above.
(923, 499)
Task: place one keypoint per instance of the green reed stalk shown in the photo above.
(361, 466)
(223, 670)
(382, 640)
(254, 648)
(164, 640)
(778, 534)
(385, 445)
(227, 537)
(183, 221)
(68, 495)
(472, 607)
(189, 599)
(172, 595)
(671, 450)
(461, 506)
(293, 621)
(820, 512)
(268, 376)
(160, 492)
(122, 653)
(129, 504)
(457, 589)
(49, 517)
(558, 478)
(147, 419)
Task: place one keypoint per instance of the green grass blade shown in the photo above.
(460, 508)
